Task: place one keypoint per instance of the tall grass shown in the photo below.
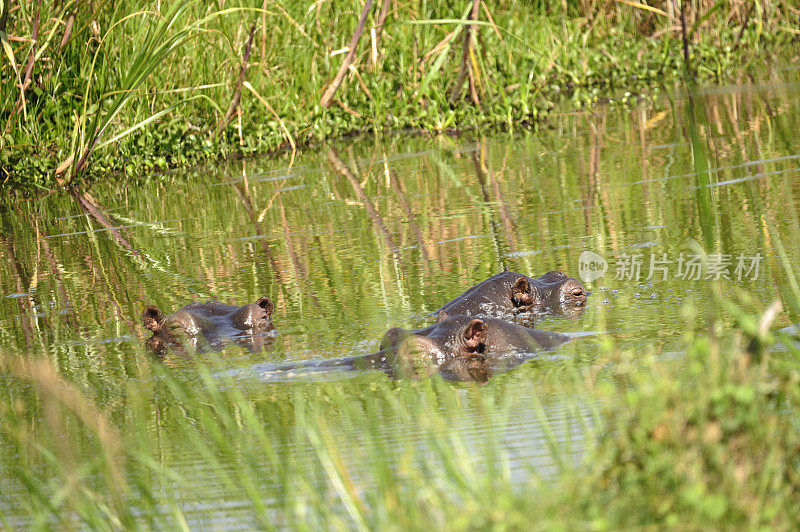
(131, 86)
(671, 429)
(706, 441)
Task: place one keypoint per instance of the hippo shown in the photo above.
(556, 293)
(210, 326)
(464, 348)
(509, 294)
(459, 348)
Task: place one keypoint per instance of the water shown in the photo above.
(351, 240)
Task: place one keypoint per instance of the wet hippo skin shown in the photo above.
(464, 348)
(556, 293)
(508, 294)
(209, 326)
(459, 348)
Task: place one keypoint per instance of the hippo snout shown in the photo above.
(573, 292)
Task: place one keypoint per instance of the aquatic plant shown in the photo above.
(132, 87)
(705, 441)
(695, 426)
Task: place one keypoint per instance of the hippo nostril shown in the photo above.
(577, 291)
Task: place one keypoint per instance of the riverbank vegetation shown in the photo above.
(89, 89)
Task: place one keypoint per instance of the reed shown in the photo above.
(706, 441)
(698, 430)
(99, 88)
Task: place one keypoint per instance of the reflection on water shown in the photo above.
(361, 237)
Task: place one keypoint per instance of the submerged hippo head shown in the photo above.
(463, 348)
(509, 294)
(212, 323)
(419, 353)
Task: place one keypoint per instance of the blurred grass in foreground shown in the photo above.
(707, 439)
(704, 436)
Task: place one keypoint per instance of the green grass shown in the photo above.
(676, 429)
(707, 440)
(123, 87)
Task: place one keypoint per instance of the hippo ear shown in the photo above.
(266, 304)
(152, 318)
(475, 335)
(442, 316)
(521, 292)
